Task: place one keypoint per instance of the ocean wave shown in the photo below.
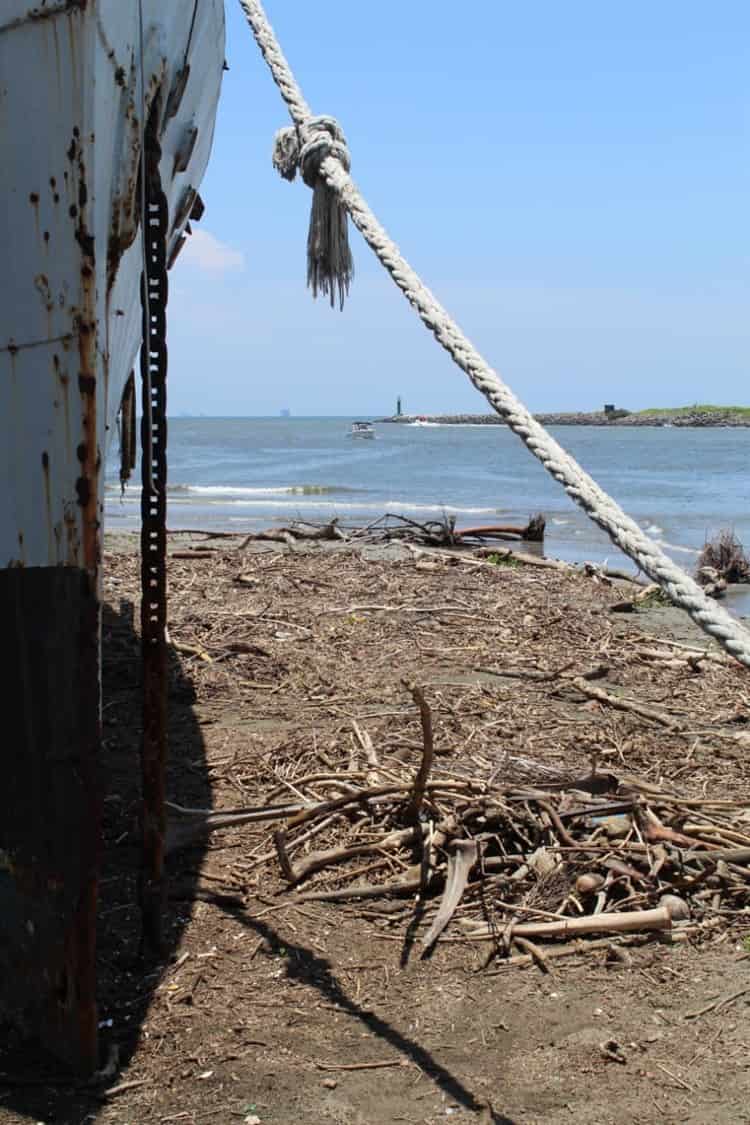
(268, 490)
(302, 503)
(678, 547)
(207, 491)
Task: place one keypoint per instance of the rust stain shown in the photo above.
(34, 201)
(48, 505)
(41, 281)
(64, 380)
(125, 216)
(65, 7)
(87, 484)
(72, 538)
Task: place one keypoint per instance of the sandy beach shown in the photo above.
(288, 665)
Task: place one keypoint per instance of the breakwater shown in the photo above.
(683, 418)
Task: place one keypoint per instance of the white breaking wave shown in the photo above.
(678, 547)
(231, 490)
(301, 502)
(218, 491)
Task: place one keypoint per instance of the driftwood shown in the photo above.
(619, 704)
(393, 526)
(631, 604)
(615, 948)
(428, 754)
(290, 535)
(689, 651)
(185, 649)
(186, 827)
(627, 922)
(676, 858)
(410, 883)
(723, 560)
(533, 532)
(205, 534)
(317, 861)
(460, 863)
(507, 554)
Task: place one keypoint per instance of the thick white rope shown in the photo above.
(601, 508)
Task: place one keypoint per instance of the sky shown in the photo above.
(571, 180)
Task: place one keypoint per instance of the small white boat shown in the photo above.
(422, 421)
(362, 430)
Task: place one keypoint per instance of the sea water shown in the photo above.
(239, 474)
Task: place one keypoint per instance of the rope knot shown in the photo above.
(323, 137)
(329, 261)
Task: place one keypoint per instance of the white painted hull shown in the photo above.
(70, 321)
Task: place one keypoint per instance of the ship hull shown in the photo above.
(78, 81)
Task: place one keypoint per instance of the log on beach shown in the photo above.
(533, 532)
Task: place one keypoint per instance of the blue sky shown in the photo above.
(571, 180)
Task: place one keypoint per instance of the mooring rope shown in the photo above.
(332, 166)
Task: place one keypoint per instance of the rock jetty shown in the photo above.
(694, 418)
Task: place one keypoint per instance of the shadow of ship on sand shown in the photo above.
(31, 1082)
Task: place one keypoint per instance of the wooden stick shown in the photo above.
(533, 951)
(365, 742)
(411, 882)
(302, 814)
(628, 922)
(509, 555)
(361, 1066)
(460, 864)
(316, 861)
(729, 855)
(657, 833)
(700, 653)
(188, 826)
(428, 754)
(641, 709)
(558, 825)
(720, 1002)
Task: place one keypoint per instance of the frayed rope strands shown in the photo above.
(329, 259)
(601, 508)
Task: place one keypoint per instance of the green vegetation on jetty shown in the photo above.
(697, 408)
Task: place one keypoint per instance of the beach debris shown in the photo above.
(533, 532)
(391, 526)
(425, 766)
(722, 560)
(546, 859)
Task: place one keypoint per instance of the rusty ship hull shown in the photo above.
(81, 83)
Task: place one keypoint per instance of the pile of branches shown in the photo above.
(432, 533)
(723, 559)
(516, 864)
